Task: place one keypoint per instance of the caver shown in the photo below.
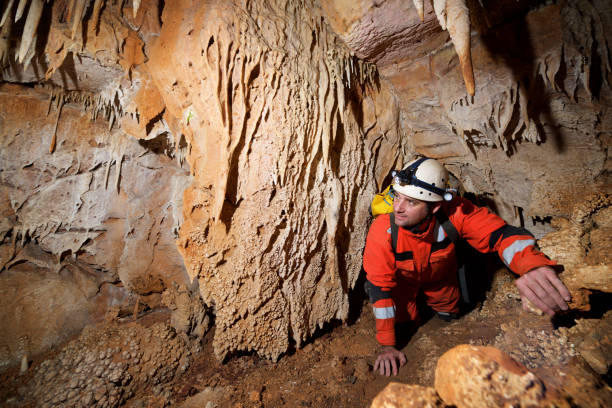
(411, 251)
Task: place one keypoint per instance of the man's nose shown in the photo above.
(400, 206)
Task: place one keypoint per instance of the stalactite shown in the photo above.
(29, 30)
(454, 16)
(107, 172)
(4, 39)
(20, 9)
(135, 7)
(418, 4)
(7, 12)
(31, 53)
(59, 111)
(96, 12)
(118, 164)
(24, 233)
(458, 25)
(79, 10)
(333, 207)
(111, 120)
(440, 10)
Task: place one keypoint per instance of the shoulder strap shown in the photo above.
(394, 232)
(453, 235)
(447, 225)
(402, 256)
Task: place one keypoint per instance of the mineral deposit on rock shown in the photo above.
(397, 395)
(273, 226)
(471, 376)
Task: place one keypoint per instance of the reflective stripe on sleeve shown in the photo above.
(514, 248)
(384, 312)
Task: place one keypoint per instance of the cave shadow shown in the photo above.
(510, 42)
(68, 71)
(600, 302)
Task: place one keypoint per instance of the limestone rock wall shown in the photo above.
(287, 137)
(285, 131)
(535, 136)
(82, 234)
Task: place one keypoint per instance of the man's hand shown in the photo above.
(544, 289)
(386, 362)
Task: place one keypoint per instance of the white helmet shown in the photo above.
(424, 179)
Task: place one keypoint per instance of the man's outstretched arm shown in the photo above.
(516, 247)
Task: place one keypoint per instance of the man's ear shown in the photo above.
(436, 207)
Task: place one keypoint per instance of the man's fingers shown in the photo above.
(561, 288)
(524, 301)
(389, 362)
(538, 290)
(394, 366)
(531, 289)
(552, 297)
(533, 298)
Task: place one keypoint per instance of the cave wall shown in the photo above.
(534, 138)
(83, 234)
(283, 127)
(221, 155)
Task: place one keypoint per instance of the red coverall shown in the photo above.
(426, 262)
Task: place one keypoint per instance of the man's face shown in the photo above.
(408, 211)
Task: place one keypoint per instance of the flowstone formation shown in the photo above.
(283, 133)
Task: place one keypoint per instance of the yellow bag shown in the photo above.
(382, 202)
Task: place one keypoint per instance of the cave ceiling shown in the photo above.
(391, 31)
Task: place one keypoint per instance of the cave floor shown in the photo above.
(334, 369)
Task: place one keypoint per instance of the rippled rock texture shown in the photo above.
(273, 108)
